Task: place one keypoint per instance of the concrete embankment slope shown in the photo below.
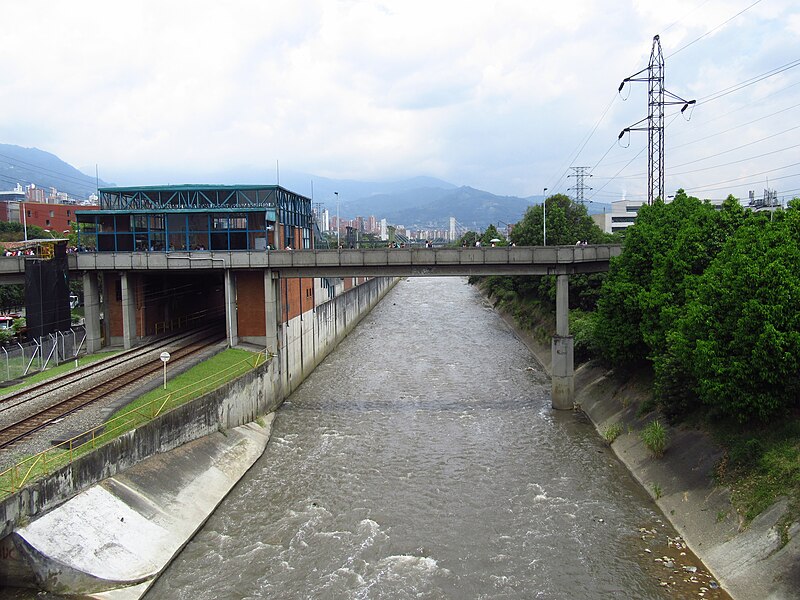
(749, 562)
(122, 532)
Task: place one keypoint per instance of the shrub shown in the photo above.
(612, 432)
(654, 436)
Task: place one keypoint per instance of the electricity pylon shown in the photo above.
(580, 187)
(655, 118)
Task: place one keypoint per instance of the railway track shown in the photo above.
(105, 365)
(101, 386)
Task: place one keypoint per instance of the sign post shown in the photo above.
(164, 358)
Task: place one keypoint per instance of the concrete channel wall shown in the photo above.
(306, 341)
(308, 338)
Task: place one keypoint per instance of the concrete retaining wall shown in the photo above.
(307, 339)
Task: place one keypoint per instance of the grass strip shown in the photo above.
(56, 371)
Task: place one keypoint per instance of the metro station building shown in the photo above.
(192, 223)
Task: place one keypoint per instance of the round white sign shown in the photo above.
(165, 356)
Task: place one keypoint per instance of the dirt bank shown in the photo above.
(749, 562)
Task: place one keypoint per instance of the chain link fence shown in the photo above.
(20, 359)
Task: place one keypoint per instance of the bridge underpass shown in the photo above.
(237, 282)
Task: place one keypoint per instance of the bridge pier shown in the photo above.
(128, 310)
(91, 312)
(563, 363)
(272, 299)
(231, 316)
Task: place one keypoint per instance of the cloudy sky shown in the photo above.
(502, 95)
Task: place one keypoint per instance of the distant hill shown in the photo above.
(31, 165)
(416, 202)
(432, 207)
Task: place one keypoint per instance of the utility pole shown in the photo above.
(544, 217)
(655, 118)
(338, 225)
(580, 187)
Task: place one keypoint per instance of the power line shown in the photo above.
(783, 110)
(575, 154)
(749, 82)
(754, 175)
(618, 172)
(710, 31)
(739, 147)
(735, 162)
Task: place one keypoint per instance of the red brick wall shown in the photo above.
(297, 296)
(250, 303)
(55, 217)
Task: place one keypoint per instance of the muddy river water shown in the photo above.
(422, 460)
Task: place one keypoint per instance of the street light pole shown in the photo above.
(544, 217)
(338, 224)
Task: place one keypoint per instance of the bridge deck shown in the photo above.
(533, 260)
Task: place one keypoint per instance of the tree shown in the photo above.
(666, 249)
(490, 234)
(468, 239)
(738, 339)
(567, 223)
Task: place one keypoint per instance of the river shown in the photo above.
(422, 460)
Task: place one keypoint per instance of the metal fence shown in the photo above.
(18, 360)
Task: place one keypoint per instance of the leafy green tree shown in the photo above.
(567, 223)
(668, 247)
(468, 239)
(737, 343)
(490, 234)
(12, 297)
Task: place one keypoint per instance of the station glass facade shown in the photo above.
(196, 218)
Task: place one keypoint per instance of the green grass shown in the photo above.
(654, 436)
(199, 380)
(762, 465)
(612, 432)
(657, 491)
(195, 382)
(51, 372)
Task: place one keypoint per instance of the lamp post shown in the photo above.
(544, 217)
(338, 224)
(24, 222)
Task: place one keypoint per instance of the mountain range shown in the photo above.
(33, 166)
(416, 203)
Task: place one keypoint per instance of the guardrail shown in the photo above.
(62, 454)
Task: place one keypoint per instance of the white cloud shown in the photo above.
(496, 95)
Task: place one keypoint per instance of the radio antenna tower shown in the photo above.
(654, 76)
(580, 173)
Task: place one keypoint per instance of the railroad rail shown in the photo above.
(32, 392)
(93, 383)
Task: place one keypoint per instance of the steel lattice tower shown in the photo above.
(655, 118)
(580, 187)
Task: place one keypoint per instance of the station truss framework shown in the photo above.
(197, 217)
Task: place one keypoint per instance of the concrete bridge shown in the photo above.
(560, 261)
